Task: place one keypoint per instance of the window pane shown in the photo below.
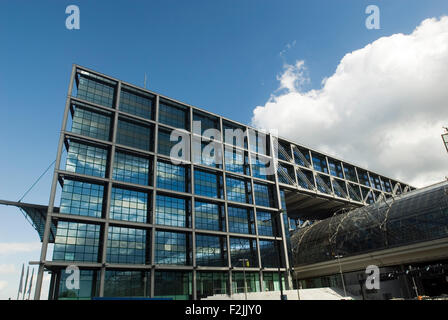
(96, 89)
(172, 177)
(172, 211)
(266, 225)
(241, 220)
(211, 251)
(165, 145)
(319, 163)
(206, 122)
(86, 159)
(125, 245)
(241, 248)
(207, 153)
(234, 134)
(238, 190)
(76, 242)
(88, 286)
(208, 184)
(252, 282)
(82, 198)
(92, 124)
(174, 116)
(209, 216)
(176, 285)
(132, 169)
(264, 195)
(136, 103)
(126, 284)
(173, 248)
(269, 254)
(134, 135)
(236, 161)
(335, 168)
(129, 205)
(350, 173)
(211, 283)
(260, 167)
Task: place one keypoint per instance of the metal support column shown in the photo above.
(48, 221)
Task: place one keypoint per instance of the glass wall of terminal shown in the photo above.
(124, 202)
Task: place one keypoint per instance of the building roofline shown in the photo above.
(77, 66)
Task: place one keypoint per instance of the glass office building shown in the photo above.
(138, 224)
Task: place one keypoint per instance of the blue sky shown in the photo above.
(221, 56)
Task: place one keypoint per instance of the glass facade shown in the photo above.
(173, 115)
(91, 122)
(209, 216)
(172, 211)
(208, 184)
(134, 135)
(211, 251)
(126, 284)
(211, 283)
(243, 248)
(207, 153)
(96, 89)
(136, 103)
(173, 248)
(82, 198)
(269, 253)
(86, 159)
(76, 242)
(88, 286)
(241, 220)
(129, 204)
(264, 195)
(126, 245)
(265, 222)
(238, 190)
(252, 282)
(176, 285)
(132, 169)
(172, 177)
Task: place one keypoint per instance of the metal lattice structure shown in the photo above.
(420, 215)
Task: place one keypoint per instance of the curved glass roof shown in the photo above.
(417, 216)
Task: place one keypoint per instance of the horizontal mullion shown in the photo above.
(92, 104)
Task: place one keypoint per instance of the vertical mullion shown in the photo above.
(193, 212)
(154, 194)
(257, 239)
(280, 217)
(48, 221)
(109, 192)
(329, 177)
(226, 211)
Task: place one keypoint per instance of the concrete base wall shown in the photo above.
(303, 294)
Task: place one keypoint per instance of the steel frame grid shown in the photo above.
(105, 221)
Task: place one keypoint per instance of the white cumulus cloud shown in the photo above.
(3, 285)
(18, 247)
(383, 108)
(7, 269)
